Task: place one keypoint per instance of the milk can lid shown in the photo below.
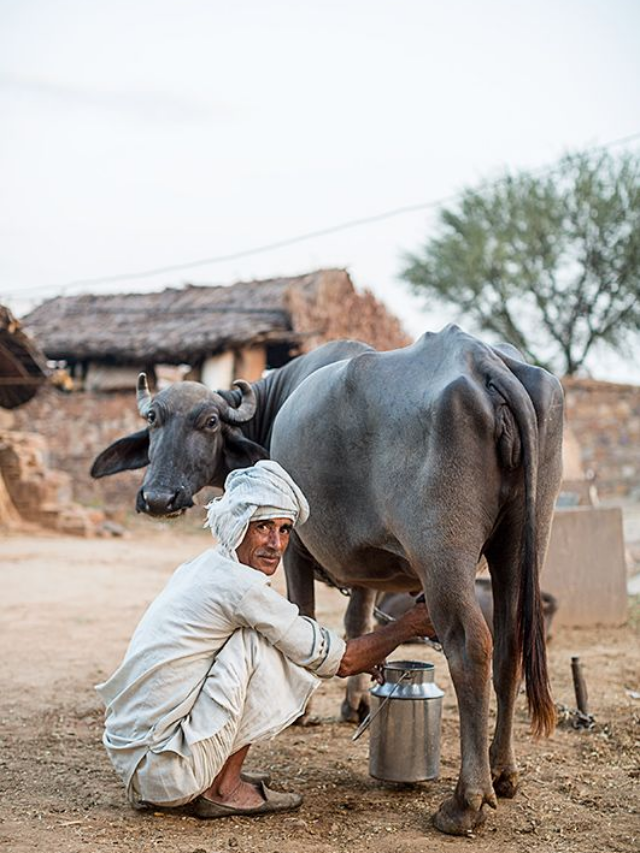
(408, 680)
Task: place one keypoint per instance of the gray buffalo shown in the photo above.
(416, 463)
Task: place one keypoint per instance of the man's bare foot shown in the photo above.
(243, 796)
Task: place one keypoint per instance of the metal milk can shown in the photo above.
(405, 723)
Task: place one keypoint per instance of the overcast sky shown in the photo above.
(139, 134)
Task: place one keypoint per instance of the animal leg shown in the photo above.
(358, 620)
(503, 556)
(298, 567)
(467, 644)
(503, 564)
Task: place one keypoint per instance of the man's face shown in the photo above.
(264, 544)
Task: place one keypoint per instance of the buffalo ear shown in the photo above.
(241, 452)
(123, 455)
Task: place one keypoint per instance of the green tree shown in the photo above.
(550, 264)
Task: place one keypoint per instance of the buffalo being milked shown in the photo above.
(416, 463)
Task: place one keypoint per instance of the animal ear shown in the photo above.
(123, 455)
(241, 452)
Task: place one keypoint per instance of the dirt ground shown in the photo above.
(68, 607)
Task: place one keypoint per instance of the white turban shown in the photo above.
(251, 494)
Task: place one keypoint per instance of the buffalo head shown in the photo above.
(192, 439)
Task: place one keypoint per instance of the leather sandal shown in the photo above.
(273, 801)
(254, 777)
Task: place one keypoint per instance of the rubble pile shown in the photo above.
(36, 494)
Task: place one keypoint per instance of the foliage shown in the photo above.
(550, 264)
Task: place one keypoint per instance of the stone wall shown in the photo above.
(35, 495)
(77, 427)
(585, 567)
(605, 419)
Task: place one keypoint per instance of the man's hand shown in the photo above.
(367, 653)
(418, 622)
(376, 672)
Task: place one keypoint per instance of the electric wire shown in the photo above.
(320, 232)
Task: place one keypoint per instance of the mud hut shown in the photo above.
(22, 366)
(215, 333)
(22, 372)
(32, 493)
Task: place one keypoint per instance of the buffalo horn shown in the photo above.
(143, 395)
(247, 408)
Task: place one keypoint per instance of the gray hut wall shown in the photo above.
(250, 363)
(219, 371)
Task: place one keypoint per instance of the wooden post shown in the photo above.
(580, 686)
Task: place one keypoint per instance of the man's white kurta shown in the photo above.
(163, 696)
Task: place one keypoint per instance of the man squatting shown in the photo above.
(221, 661)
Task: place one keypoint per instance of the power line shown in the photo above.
(308, 235)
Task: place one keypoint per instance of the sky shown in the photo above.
(143, 134)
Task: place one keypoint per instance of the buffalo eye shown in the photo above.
(151, 417)
(211, 422)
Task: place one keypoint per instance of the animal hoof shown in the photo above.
(349, 714)
(454, 819)
(505, 783)
(307, 720)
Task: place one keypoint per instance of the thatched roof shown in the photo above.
(177, 326)
(22, 367)
(172, 326)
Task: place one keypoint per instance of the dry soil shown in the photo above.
(68, 607)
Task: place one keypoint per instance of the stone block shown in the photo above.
(585, 567)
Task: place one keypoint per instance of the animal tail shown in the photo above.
(531, 641)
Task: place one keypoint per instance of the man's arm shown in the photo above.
(299, 638)
(364, 653)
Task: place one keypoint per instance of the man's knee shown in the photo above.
(247, 645)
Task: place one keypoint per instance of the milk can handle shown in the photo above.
(364, 725)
